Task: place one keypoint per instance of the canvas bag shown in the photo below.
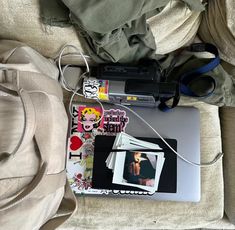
(34, 193)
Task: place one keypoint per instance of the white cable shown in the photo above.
(75, 91)
(218, 156)
(80, 54)
(72, 54)
(64, 83)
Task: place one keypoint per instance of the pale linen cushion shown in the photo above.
(221, 224)
(19, 19)
(227, 119)
(217, 27)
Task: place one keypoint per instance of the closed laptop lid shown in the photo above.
(182, 124)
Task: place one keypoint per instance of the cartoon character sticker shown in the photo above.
(96, 89)
(90, 118)
(91, 88)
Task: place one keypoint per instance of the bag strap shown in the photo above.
(192, 75)
(29, 120)
(50, 183)
(44, 122)
(188, 77)
(29, 189)
(69, 203)
(68, 207)
(41, 136)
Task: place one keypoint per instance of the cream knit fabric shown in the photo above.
(19, 20)
(174, 27)
(217, 27)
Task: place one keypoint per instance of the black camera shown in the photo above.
(142, 85)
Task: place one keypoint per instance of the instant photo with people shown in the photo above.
(140, 168)
(121, 170)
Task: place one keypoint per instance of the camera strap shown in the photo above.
(186, 81)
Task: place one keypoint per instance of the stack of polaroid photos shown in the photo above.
(135, 163)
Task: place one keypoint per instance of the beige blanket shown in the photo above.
(174, 27)
(217, 27)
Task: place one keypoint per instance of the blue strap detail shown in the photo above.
(186, 78)
(186, 91)
(210, 66)
(191, 75)
(164, 107)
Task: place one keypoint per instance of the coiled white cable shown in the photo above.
(76, 90)
(80, 54)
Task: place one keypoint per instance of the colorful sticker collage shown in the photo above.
(85, 124)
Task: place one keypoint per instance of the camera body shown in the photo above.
(140, 85)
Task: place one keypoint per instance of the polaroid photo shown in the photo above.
(138, 169)
(108, 160)
(127, 142)
(111, 161)
(133, 143)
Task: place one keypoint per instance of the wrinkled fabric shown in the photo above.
(217, 27)
(174, 27)
(20, 21)
(54, 13)
(116, 31)
(224, 93)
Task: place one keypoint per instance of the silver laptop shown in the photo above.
(182, 124)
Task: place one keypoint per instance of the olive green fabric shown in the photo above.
(54, 13)
(116, 31)
(224, 93)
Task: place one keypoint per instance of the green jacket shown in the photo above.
(110, 30)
